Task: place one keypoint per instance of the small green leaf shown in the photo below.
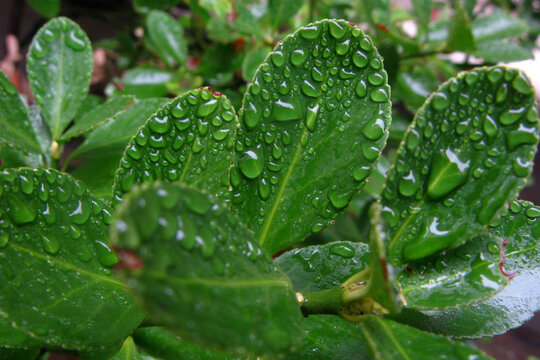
(111, 138)
(388, 340)
(458, 277)
(53, 226)
(59, 66)
(189, 140)
(468, 151)
(495, 51)
(98, 175)
(146, 82)
(312, 130)
(497, 26)
(516, 303)
(15, 126)
(164, 345)
(325, 266)
(460, 36)
(280, 11)
(329, 337)
(99, 115)
(46, 8)
(128, 351)
(203, 275)
(167, 37)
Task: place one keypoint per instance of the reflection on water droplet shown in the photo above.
(338, 199)
(75, 40)
(447, 173)
(337, 30)
(286, 110)
(251, 163)
(343, 250)
(19, 211)
(408, 184)
(50, 244)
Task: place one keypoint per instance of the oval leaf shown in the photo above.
(314, 121)
(52, 226)
(468, 151)
(167, 37)
(516, 303)
(97, 116)
(203, 276)
(189, 140)
(59, 66)
(15, 126)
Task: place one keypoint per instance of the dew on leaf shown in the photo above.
(160, 124)
(298, 57)
(251, 163)
(408, 184)
(447, 173)
(19, 211)
(50, 244)
(309, 32)
(75, 40)
(512, 115)
(286, 111)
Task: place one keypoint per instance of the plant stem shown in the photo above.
(322, 302)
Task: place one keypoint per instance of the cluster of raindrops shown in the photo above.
(166, 220)
(56, 37)
(50, 213)
(324, 84)
(188, 140)
(478, 128)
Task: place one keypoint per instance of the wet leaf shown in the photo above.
(498, 25)
(323, 266)
(189, 140)
(19, 354)
(164, 345)
(312, 129)
(252, 61)
(15, 126)
(495, 51)
(55, 273)
(98, 175)
(203, 275)
(460, 35)
(97, 116)
(146, 82)
(413, 86)
(516, 303)
(167, 37)
(388, 340)
(59, 65)
(111, 138)
(467, 153)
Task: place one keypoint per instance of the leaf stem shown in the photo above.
(327, 301)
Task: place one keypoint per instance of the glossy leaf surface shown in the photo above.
(468, 151)
(323, 266)
(498, 25)
(203, 275)
(517, 302)
(388, 340)
(15, 126)
(167, 37)
(146, 82)
(97, 116)
(111, 138)
(55, 273)
(164, 345)
(314, 121)
(458, 277)
(59, 66)
(189, 140)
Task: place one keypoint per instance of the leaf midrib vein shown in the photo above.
(59, 87)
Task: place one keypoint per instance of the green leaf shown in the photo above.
(146, 82)
(495, 51)
(189, 140)
(413, 86)
(19, 354)
(388, 340)
(13, 158)
(497, 26)
(59, 66)
(468, 152)
(111, 138)
(128, 351)
(253, 59)
(204, 276)
(422, 11)
(99, 115)
(312, 130)
(329, 337)
(145, 6)
(516, 303)
(164, 345)
(167, 37)
(14, 338)
(98, 175)
(460, 36)
(280, 11)
(46, 8)
(459, 277)
(53, 226)
(219, 7)
(377, 12)
(325, 266)
(89, 103)
(15, 126)
(42, 132)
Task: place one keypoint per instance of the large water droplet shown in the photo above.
(447, 173)
(81, 213)
(512, 115)
(374, 129)
(360, 59)
(361, 89)
(298, 57)
(309, 32)
(343, 47)
(379, 95)
(408, 184)
(105, 255)
(522, 84)
(286, 111)
(50, 244)
(522, 136)
(75, 40)
(440, 101)
(490, 126)
(250, 115)
(337, 30)
(160, 125)
(251, 163)
(311, 117)
(27, 184)
(18, 211)
(343, 250)
(207, 108)
(277, 58)
(339, 199)
(309, 89)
